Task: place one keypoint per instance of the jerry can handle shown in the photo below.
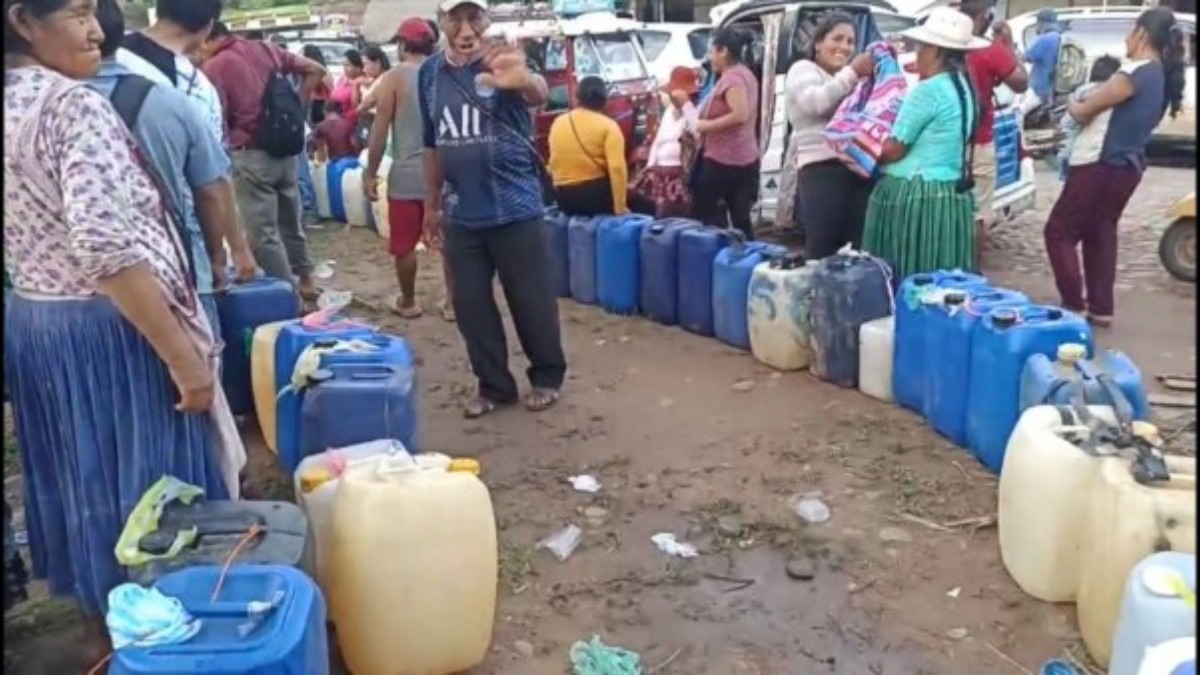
(382, 374)
(1120, 403)
(401, 463)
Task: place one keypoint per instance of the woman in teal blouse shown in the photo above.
(921, 213)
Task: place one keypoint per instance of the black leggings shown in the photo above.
(737, 186)
(591, 198)
(831, 204)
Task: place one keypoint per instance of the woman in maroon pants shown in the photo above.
(1107, 162)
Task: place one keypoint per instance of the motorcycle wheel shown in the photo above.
(1177, 249)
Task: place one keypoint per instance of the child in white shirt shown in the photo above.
(1104, 68)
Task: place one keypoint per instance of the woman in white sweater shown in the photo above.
(830, 200)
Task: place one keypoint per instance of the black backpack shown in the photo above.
(128, 98)
(281, 123)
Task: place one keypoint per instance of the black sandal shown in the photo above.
(541, 399)
(479, 407)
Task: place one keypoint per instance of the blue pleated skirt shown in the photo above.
(96, 423)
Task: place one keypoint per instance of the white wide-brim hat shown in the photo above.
(947, 28)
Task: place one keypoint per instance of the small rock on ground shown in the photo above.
(801, 569)
(523, 648)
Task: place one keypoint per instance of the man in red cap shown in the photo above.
(398, 113)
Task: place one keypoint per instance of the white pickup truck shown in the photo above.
(787, 27)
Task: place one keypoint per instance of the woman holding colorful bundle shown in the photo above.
(830, 199)
(921, 215)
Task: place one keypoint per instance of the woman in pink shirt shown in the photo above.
(728, 159)
(344, 90)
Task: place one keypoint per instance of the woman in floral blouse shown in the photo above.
(109, 361)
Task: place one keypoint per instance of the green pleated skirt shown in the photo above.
(920, 226)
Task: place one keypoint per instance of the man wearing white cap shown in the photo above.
(475, 98)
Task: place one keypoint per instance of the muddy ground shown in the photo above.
(692, 437)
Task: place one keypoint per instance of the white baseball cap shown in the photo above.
(947, 28)
(447, 6)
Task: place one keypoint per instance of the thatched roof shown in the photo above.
(383, 17)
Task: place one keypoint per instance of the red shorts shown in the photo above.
(406, 219)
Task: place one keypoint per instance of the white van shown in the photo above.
(787, 27)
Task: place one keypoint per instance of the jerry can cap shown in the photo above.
(314, 478)
(1145, 431)
(465, 465)
(325, 343)
(1071, 352)
(1004, 317)
(1164, 581)
(955, 298)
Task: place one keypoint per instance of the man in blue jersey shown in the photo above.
(475, 97)
(1042, 57)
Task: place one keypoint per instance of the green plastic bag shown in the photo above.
(597, 658)
(144, 519)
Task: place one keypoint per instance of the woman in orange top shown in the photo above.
(587, 156)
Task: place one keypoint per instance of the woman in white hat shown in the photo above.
(922, 211)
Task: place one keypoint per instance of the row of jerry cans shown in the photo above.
(339, 191)
(809, 314)
(674, 271)
(405, 548)
(361, 386)
(748, 295)
(409, 593)
(969, 357)
(1112, 529)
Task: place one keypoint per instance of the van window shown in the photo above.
(699, 40)
(615, 57)
(1097, 37)
(805, 27)
(892, 25)
(653, 42)
(556, 55)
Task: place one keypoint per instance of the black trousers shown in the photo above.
(735, 186)
(592, 198)
(517, 253)
(831, 204)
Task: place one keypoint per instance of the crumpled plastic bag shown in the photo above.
(597, 658)
(144, 617)
(309, 360)
(144, 519)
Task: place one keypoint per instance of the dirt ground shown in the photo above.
(692, 437)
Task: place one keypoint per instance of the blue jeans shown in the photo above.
(308, 195)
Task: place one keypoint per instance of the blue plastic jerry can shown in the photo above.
(1047, 381)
